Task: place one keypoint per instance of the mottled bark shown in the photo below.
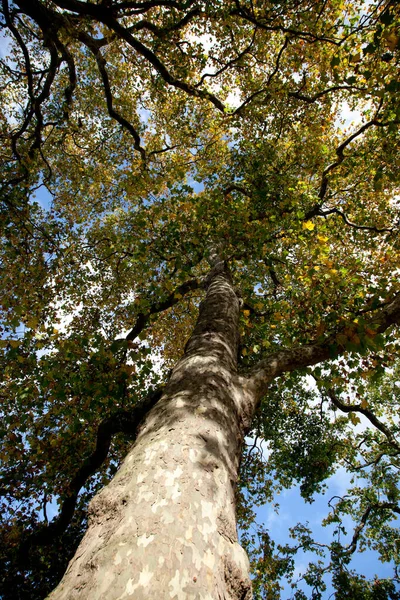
(165, 526)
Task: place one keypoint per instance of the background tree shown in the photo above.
(142, 143)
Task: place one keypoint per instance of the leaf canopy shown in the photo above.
(136, 136)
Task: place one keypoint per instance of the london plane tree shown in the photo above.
(178, 181)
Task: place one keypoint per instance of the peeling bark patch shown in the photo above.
(209, 559)
(144, 579)
(145, 540)
(238, 586)
(194, 455)
(170, 477)
(226, 528)
(177, 583)
(105, 505)
(157, 505)
(156, 448)
(145, 495)
(207, 509)
(130, 588)
(197, 557)
(166, 518)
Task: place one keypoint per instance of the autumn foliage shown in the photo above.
(137, 136)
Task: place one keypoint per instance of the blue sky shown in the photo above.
(293, 509)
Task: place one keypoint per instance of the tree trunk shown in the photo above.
(165, 526)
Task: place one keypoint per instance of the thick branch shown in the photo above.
(311, 99)
(269, 25)
(310, 354)
(123, 421)
(106, 16)
(340, 156)
(94, 10)
(159, 65)
(352, 547)
(228, 64)
(336, 211)
(111, 110)
(162, 31)
(143, 319)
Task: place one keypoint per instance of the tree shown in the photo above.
(176, 179)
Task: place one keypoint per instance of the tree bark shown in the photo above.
(165, 526)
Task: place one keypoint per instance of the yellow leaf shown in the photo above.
(32, 323)
(354, 419)
(356, 58)
(391, 40)
(277, 316)
(308, 225)
(364, 403)
(246, 313)
(322, 238)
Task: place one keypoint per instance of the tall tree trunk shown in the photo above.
(165, 526)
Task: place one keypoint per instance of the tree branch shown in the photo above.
(228, 64)
(143, 319)
(160, 67)
(352, 547)
(122, 421)
(347, 408)
(292, 359)
(331, 211)
(335, 88)
(340, 156)
(270, 26)
(101, 64)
